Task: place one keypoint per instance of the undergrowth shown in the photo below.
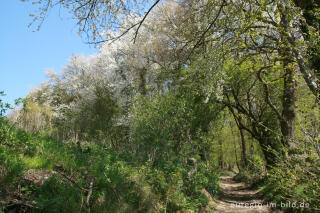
(60, 175)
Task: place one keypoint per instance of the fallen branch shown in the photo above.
(72, 181)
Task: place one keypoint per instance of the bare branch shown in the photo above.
(144, 18)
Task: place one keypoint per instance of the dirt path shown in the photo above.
(238, 197)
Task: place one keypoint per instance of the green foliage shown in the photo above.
(168, 144)
(121, 183)
(254, 173)
(295, 180)
(171, 126)
(3, 106)
(155, 133)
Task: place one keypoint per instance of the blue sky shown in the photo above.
(25, 55)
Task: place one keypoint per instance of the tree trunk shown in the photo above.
(244, 154)
(235, 148)
(239, 122)
(288, 110)
(221, 164)
(309, 9)
(266, 142)
(142, 82)
(289, 84)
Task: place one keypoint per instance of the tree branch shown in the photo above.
(144, 17)
(267, 93)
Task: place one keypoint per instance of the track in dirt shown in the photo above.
(238, 197)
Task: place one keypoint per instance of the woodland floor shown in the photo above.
(239, 197)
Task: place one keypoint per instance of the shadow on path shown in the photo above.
(238, 197)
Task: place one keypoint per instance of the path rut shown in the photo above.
(238, 197)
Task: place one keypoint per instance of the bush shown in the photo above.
(254, 174)
(295, 180)
(55, 176)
